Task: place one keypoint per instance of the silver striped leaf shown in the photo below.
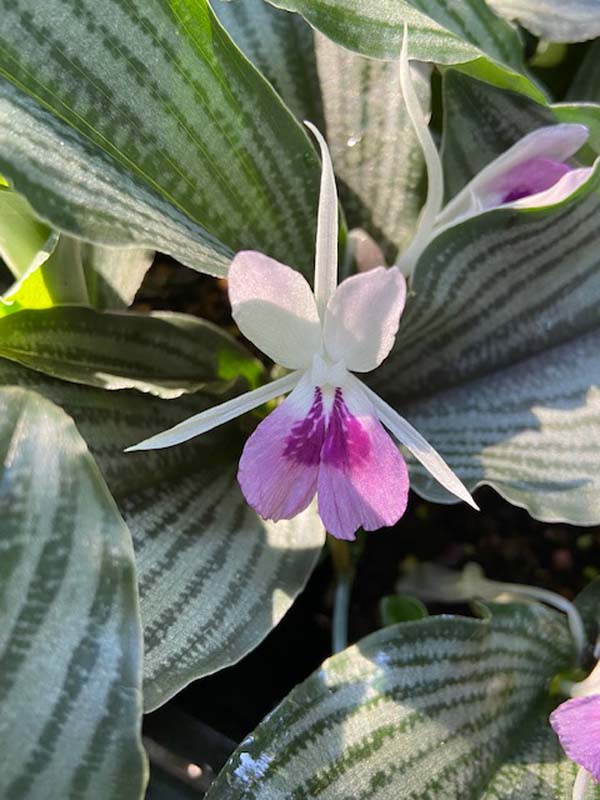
(141, 122)
(357, 101)
(214, 578)
(481, 122)
(70, 642)
(555, 20)
(427, 709)
(497, 359)
(470, 36)
(281, 46)
(164, 353)
(377, 159)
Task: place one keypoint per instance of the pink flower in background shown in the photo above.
(577, 725)
(533, 173)
(327, 438)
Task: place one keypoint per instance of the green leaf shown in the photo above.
(377, 158)
(428, 709)
(112, 275)
(496, 362)
(586, 84)
(471, 36)
(281, 46)
(588, 605)
(214, 578)
(358, 103)
(141, 122)
(401, 608)
(70, 648)
(71, 271)
(166, 354)
(22, 235)
(573, 21)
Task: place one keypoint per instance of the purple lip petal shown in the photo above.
(577, 724)
(531, 177)
(363, 480)
(279, 466)
(303, 444)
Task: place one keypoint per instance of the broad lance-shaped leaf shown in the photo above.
(497, 359)
(556, 20)
(141, 122)
(70, 644)
(281, 46)
(482, 122)
(22, 236)
(166, 354)
(427, 709)
(377, 159)
(469, 35)
(355, 100)
(214, 578)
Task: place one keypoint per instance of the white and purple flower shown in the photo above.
(327, 438)
(577, 725)
(536, 171)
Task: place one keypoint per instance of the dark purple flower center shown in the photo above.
(340, 441)
(531, 177)
(304, 443)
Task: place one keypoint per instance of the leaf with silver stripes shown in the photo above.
(70, 644)
(497, 359)
(440, 708)
(140, 122)
(214, 578)
(164, 353)
(357, 101)
(469, 35)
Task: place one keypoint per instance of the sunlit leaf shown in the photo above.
(70, 644)
(444, 707)
(214, 578)
(468, 34)
(141, 123)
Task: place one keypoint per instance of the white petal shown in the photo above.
(581, 785)
(435, 176)
(326, 259)
(419, 447)
(362, 318)
(557, 142)
(219, 415)
(274, 307)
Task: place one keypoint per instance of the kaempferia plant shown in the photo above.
(130, 127)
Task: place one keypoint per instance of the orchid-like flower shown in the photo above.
(577, 725)
(327, 437)
(534, 172)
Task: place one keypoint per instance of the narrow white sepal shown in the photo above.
(219, 415)
(435, 175)
(582, 781)
(326, 258)
(418, 446)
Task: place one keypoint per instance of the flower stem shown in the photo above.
(344, 575)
